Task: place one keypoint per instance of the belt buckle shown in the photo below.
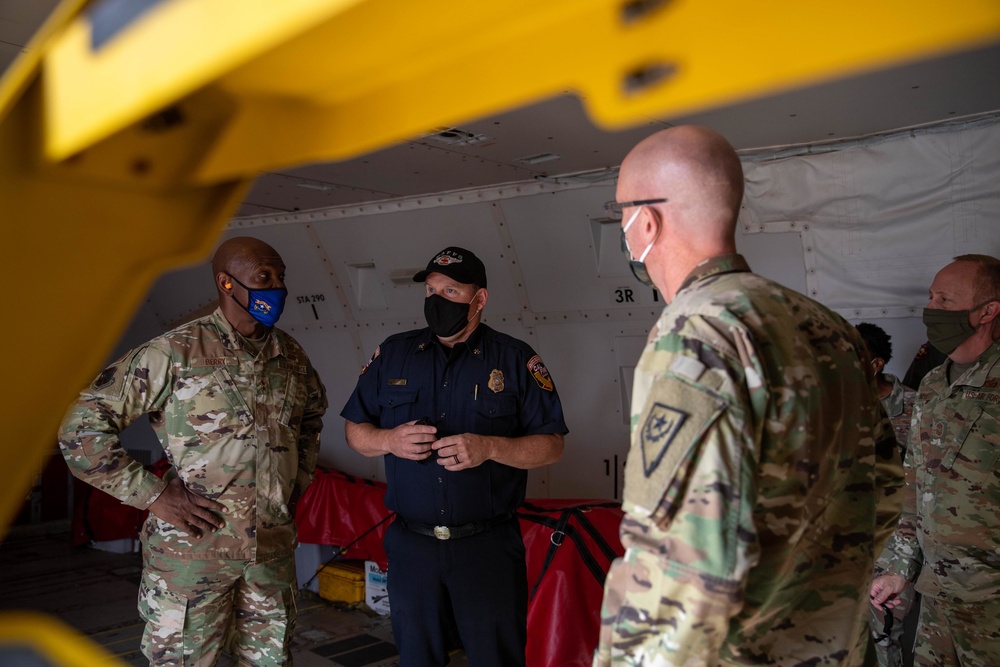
(442, 532)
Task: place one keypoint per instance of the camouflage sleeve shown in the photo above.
(903, 554)
(312, 424)
(132, 386)
(888, 481)
(689, 532)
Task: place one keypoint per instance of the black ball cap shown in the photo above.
(459, 264)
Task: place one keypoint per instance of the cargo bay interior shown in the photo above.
(524, 187)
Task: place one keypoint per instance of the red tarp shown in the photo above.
(338, 509)
(569, 546)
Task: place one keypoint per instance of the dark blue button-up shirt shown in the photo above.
(491, 384)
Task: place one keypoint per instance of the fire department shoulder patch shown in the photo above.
(378, 350)
(541, 374)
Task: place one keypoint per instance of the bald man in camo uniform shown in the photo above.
(751, 486)
(238, 409)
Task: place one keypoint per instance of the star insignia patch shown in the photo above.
(662, 424)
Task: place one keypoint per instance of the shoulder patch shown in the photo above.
(541, 374)
(662, 424)
(105, 379)
(378, 350)
(666, 433)
(112, 380)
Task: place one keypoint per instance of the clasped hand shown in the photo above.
(418, 442)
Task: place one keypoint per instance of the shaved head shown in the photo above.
(699, 175)
(238, 254)
(697, 170)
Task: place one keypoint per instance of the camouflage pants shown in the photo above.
(193, 608)
(890, 651)
(966, 635)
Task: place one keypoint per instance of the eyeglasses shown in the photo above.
(614, 208)
(887, 627)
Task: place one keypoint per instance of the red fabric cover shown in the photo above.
(100, 517)
(337, 509)
(563, 614)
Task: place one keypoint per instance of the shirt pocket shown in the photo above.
(978, 455)
(497, 415)
(208, 403)
(399, 405)
(290, 378)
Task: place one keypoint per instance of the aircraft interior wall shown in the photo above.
(557, 279)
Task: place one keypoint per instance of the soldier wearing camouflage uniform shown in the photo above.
(238, 409)
(897, 400)
(948, 538)
(750, 490)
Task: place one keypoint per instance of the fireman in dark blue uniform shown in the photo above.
(460, 412)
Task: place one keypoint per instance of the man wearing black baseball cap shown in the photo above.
(460, 412)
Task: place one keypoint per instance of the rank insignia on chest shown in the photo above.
(662, 424)
(496, 381)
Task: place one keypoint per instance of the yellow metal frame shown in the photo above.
(51, 640)
(120, 161)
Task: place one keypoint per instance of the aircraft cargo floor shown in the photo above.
(95, 592)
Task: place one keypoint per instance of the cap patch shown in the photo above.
(447, 258)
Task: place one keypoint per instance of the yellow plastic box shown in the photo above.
(343, 581)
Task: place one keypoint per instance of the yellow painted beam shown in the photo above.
(83, 248)
(329, 79)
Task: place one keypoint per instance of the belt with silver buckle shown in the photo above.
(454, 532)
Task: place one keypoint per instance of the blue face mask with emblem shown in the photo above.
(264, 305)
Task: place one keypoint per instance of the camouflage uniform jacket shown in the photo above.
(240, 429)
(948, 539)
(750, 485)
(899, 406)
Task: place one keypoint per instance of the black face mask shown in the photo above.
(445, 318)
